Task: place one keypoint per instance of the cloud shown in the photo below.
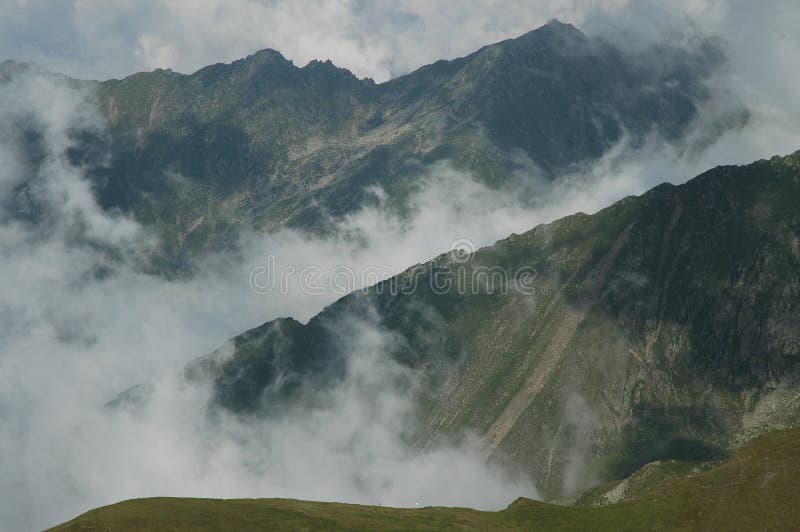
(375, 39)
(761, 46)
(79, 321)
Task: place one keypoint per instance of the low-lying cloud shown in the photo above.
(80, 321)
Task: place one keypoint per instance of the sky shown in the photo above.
(102, 39)
(70, 341)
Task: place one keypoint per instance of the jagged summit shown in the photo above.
(329, 68)
(564, 34)
(264, 143)
(272, 62)
(267, 55)
(557, 25)
(266, 59)
(553, 29)
(270, 56)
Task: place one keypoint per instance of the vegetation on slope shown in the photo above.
(660, 328)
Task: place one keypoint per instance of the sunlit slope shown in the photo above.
(663, 327)
(758, 488)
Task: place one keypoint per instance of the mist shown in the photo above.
(81, 321)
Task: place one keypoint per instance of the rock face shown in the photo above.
(262, 143)
(663, 327)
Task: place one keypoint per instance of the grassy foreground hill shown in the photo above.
(757, 488)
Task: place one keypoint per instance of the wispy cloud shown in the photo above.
(79, 321)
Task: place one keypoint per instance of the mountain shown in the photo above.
(662, 327)
(261, 143)
(759, 481)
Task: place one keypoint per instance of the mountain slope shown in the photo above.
(759, 481)
(261, 143)
(659, 328)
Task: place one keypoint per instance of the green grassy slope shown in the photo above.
(663, 327)
(756, 489)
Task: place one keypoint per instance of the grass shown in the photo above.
(755, 489)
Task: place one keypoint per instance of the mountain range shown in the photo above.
(659, 330)
(662, 327)
(263, 144)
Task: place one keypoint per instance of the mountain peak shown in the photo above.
(557, 28)
(553, 34)
(268, 55)
(555, 23)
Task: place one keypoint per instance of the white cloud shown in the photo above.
(72, 338)
(373, 39)
(79, 325)
(156, 53)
